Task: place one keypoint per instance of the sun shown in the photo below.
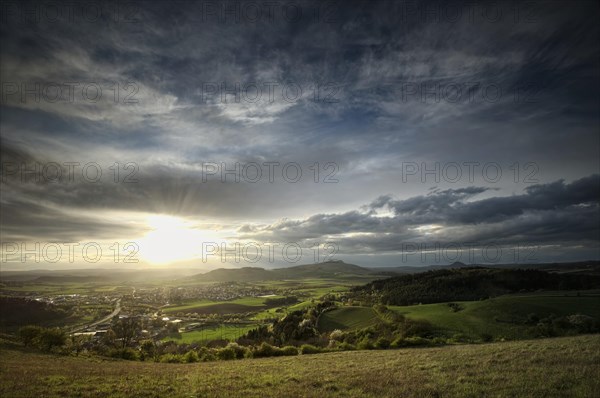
(171, 239)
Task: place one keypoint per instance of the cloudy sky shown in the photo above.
(209, 134)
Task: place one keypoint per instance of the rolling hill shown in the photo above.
(558, 367)
(244, 274)
(470, 283)
(329, 269)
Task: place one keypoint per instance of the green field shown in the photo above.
(500, 317)
(225, 332)
(560, 367)
(240, 305)
(347, 318)
(67, 288)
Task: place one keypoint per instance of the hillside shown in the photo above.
(245, 274)
(19, 311)
(557, 367)
(464, 284)
(322, 270)
(329, 269)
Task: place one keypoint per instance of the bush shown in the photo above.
(266, 350)
(337, 335)
(382, 343)
(582, 323)
(240, 351)
(170, 358)
(289, 350)
(460, 338)
(45, 339)
(365, 344)
(309, 349)
(29, 334)
(486, 337)
(226, 354)
(191, 356)
(51, 338)
(346, 347)
(148, 349)
(411, 342)
(124, 353)
(207, 354)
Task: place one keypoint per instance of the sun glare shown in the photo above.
(171, 239)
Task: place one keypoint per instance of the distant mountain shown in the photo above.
(245, 274)
(328, 269)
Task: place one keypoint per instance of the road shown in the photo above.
(103, 320)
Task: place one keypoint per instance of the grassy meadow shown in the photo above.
(221, 332)
(559, 367)
(501, 317)
(505, 317)
(345, 318)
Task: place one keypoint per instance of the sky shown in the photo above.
(227, 134)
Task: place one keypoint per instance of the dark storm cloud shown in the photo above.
(450, 206)
(409, 85)
(554, 213)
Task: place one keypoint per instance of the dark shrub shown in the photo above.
(266, 350)
(309, 349)
(365, 344)
(226, 354)
(191, 356)
(51, 338)
(124, 353)
(30, 334)
(171, 358)
(289, 350)
(382, 343)
(486, 337)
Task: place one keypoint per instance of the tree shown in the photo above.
(148, 349)
(51, 338)
(126, 329)
(29, 334)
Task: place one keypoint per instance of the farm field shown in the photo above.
(495, 370)
(500, 317)
(504, 317)
(244, 304)
(345, 318)
(221, 332)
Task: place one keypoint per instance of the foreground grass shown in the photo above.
(560, 367)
